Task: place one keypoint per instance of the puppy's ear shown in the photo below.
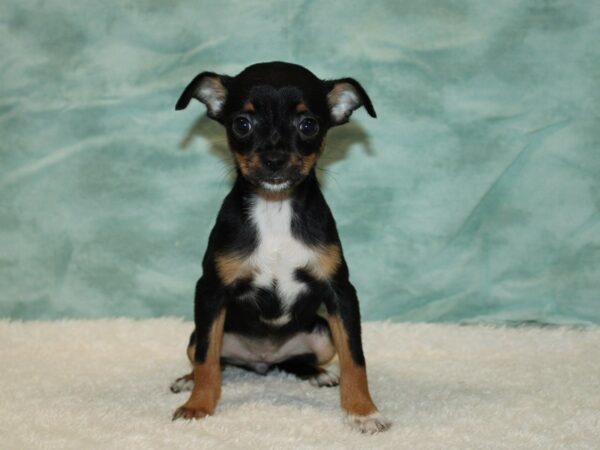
(343, 97)
(208, 88)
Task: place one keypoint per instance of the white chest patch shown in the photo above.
(278, 253)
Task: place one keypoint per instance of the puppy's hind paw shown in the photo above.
(325, 378)
(184, 383)
(371, 424)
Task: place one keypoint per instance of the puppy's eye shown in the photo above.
(308, 127)
(242, 126)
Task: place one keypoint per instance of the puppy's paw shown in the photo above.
(326, 378)
(371, 424)
(189, 412)
(184, 383)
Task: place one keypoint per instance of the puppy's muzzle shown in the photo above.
(275, 161)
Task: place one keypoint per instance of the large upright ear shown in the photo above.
(344, 96)
(208, 88)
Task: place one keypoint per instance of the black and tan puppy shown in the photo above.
(274, 257)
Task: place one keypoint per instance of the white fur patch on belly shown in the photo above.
(278, 253)
(279, 321)
(240, 349)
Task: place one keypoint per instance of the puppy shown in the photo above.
(275, 292)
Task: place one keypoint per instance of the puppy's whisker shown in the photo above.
(227, 173)
(330, 175)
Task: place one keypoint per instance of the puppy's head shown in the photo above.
(276, 116)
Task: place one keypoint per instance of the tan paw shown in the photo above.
(189, 412)
(371, 424)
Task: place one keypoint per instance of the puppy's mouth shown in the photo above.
(275, 184)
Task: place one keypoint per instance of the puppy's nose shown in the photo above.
(274, 160)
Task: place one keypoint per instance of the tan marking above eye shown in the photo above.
(301, 107)
(248, 106)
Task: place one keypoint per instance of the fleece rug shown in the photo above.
(105, 384)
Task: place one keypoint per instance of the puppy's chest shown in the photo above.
(278, 255)
(266, 278)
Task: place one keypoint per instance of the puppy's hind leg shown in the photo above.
(186, 382)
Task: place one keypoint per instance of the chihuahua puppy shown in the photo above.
(274, 291)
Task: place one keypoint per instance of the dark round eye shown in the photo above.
(242, 126)
(308, 127)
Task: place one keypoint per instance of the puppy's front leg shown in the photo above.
(344, 322)
(209, 319)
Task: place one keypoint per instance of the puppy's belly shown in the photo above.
(239, 349)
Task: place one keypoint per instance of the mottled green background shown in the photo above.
(475, 196)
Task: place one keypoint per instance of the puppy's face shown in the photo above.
(276, 116)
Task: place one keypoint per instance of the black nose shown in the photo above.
(274, 160)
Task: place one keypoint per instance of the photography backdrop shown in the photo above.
(474, 197)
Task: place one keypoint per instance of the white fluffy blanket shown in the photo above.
(105, 384)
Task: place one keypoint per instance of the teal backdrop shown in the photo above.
(473, 197)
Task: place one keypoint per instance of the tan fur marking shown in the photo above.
(247, 163)
(248, 106)
(301, 107)
(328, 261)
(207, 377)
(308, 162)
(354, 388)
(254, 161)
(305, 163)
(231, 268)
(273, 196)
(242, 162)
(187, 376)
